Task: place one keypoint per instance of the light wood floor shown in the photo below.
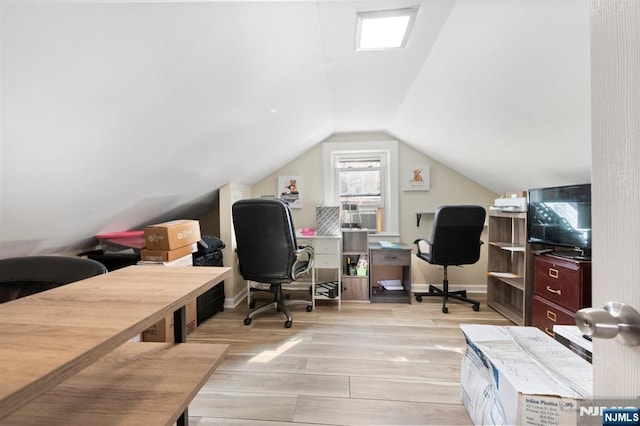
(367, 364)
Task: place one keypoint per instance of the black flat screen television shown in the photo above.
(561, 217)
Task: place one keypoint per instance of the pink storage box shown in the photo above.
(308, 232)
(114, 242)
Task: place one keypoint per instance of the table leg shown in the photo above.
(180, 336)
(183, 420)
(180, 325)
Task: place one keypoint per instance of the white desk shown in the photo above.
(327, 250)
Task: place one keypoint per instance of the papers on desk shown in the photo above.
(181, 261)
(391, 284)
(513, 248)
(389, 245)
(504, 274)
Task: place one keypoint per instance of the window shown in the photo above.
(358, 175)
(385, 29)
(359, 182)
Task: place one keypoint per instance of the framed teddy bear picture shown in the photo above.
(415, 177)
(289, 190)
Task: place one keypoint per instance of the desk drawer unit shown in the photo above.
(391, 257)
(546, 315)
(561, 282)
(389, 267)
(326, 246)
(328, 261)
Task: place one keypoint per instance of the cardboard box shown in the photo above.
(167, 255)
(172, 235)
(162, 331)
(520, 375)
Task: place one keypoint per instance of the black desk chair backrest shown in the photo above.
(267, 249)
(23, 276)
(265, 238)
(455, 240)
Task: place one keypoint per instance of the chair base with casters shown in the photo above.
(460, 295)
(279, 304)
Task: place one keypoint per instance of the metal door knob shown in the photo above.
(614, 320)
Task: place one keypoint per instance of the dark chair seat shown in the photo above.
(455, 241)
(23, 276)
(268, 252)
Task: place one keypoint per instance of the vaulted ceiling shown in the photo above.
(114, 113)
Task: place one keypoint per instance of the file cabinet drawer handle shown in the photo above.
(549, 332)
(551, 315)
(553, 273)
(558, 292)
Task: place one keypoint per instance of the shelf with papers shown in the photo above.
(508, 246)
(509, 278)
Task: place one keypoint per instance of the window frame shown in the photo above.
(387, 152)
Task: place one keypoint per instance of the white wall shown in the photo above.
(447, 187)
(235, 286)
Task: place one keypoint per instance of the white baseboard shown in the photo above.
(471, 288)
(239, 298)
(415, 288)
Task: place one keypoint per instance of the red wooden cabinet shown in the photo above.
(562, 286)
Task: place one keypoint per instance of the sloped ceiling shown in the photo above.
(116, 113)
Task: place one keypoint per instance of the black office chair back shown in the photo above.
(23, 276)
(456, 235)
(265, 240)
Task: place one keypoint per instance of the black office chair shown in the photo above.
(268, 252)
(455, 240)
(24, 276)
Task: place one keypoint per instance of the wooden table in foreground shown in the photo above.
(50, 337)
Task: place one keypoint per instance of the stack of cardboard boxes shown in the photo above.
(171, 244)
(170, 241)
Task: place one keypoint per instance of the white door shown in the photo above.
(615, 106)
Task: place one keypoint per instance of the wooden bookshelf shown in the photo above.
(509, 270)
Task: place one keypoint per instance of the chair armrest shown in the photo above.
(303, 254)
(421, 240)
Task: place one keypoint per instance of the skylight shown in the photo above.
(385, 29)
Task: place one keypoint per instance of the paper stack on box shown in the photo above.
(511, 201)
